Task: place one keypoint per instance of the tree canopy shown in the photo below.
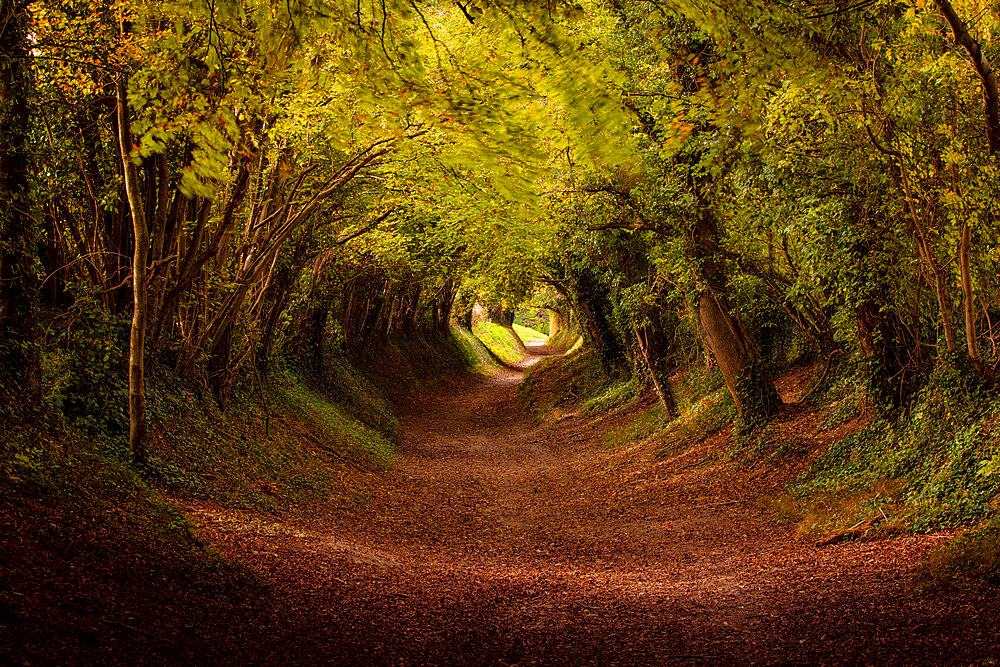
(733, 179)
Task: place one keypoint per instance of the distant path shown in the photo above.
(499, 541)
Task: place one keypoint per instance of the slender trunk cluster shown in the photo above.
(374, 307)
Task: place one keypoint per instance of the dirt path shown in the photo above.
(496, 540)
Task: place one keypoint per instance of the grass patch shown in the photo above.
(695, 382)
(500, 341)
(972, 557)
(555, 381)
(352, 391)
(273, 448)
(528, 335)
(568, 339)
(645, 425)
(343, 435)
(477, 356)
(613, 396)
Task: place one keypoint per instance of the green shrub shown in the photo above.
(83, 370)
(529, 335)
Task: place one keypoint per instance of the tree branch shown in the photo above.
(991, 93)
(364, 230)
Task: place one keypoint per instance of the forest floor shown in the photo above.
(499, 540)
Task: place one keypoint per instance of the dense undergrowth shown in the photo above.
(941, 454)
(932, 466)
(557, 381)
(272, 446)
(274, 439)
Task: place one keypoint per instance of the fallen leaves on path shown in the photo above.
(497, 540)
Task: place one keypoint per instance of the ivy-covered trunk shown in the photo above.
(593, 308)
(887, 350)
(890, 353)
(18, 285)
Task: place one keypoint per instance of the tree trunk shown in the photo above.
(969, 304)
(663, 392)
(19, 354)
(137, 338)
(592, 306)
(447, 302)
(279, 289)
(991, 91)
(742, 366)
(991, 108)
(220, 368)
(945, 306)
(888, 348)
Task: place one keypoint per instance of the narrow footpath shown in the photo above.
(496, 540)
